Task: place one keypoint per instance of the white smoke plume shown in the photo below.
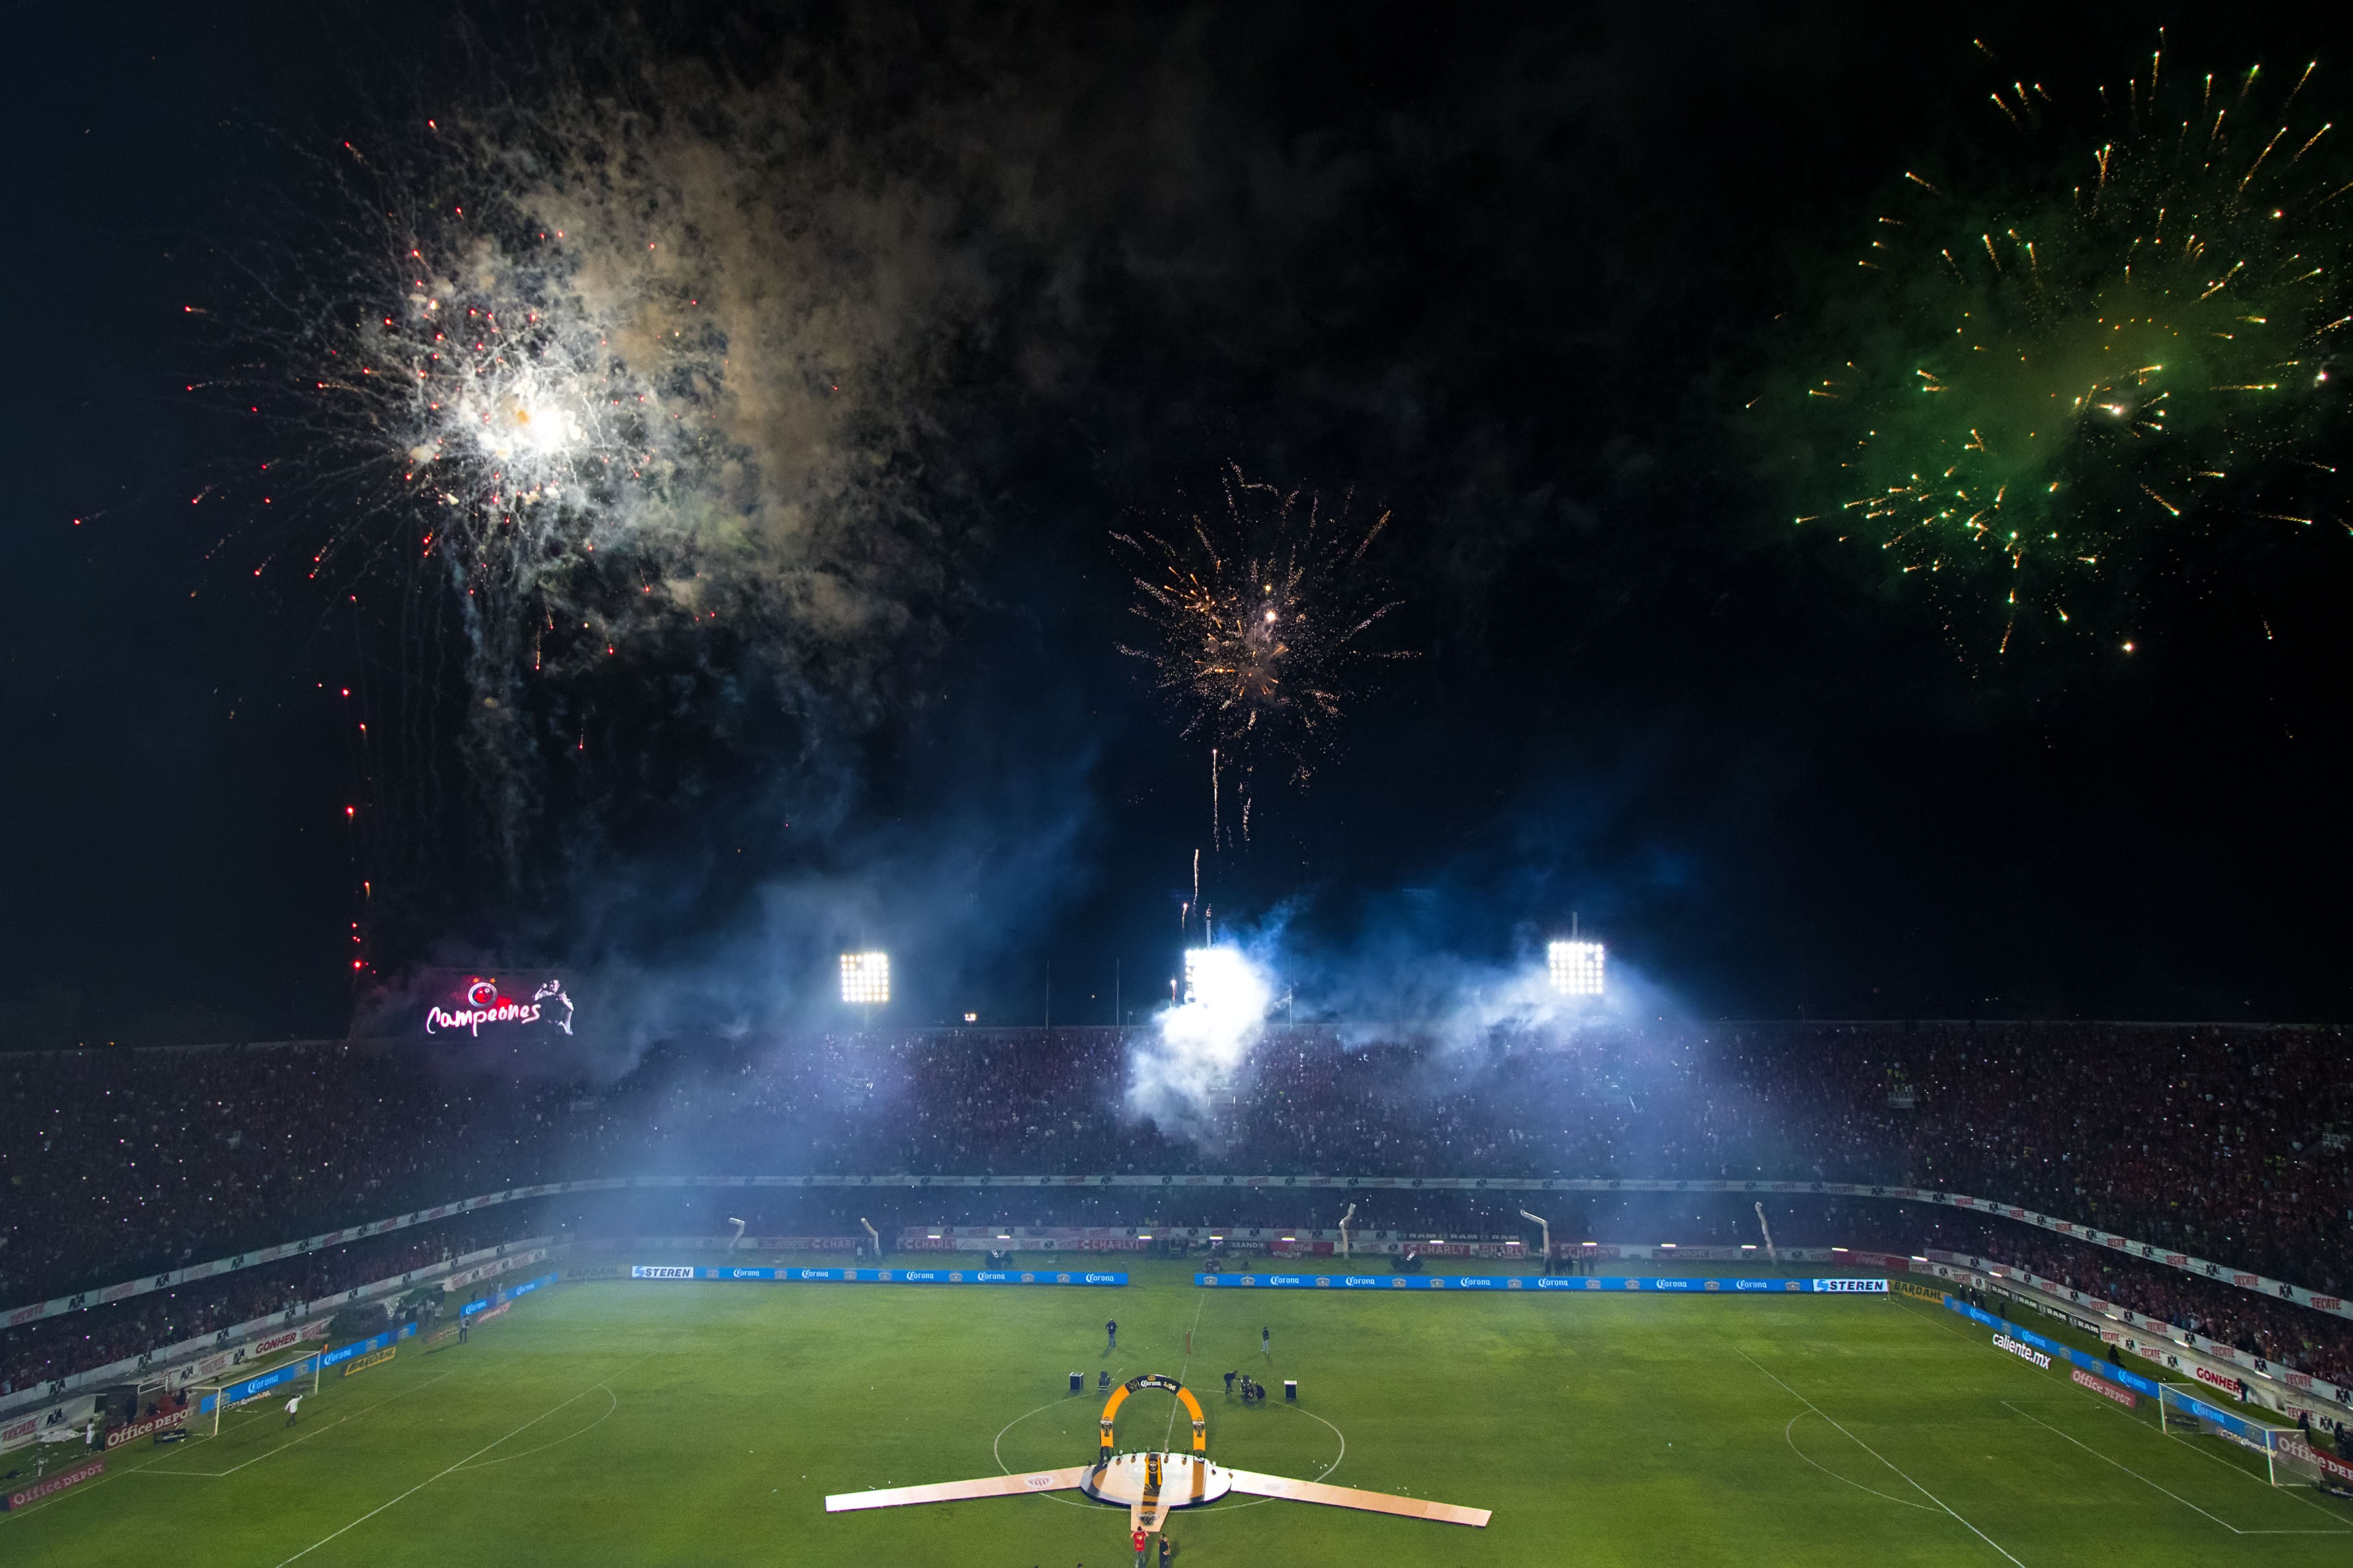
(1200, 1043)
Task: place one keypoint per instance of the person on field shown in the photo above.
(1266, 1342)
(1111, 1336)
(465, 1327)
(292, 1405)
(1229, 1385)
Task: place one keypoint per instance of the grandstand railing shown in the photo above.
(2219, 1367)
(2062, 1296)
(2277, 1290)
(210, 1355)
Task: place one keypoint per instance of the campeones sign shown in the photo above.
(480, 1002)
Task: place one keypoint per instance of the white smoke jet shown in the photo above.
(1174, 1080)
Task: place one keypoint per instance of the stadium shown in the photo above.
(1041, 784)
(1768, 1299)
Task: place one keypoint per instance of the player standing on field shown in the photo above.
(1111, 1335)
(1266, 1342)
(292, 1405)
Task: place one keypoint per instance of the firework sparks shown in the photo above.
(2048, 388)
(1265, 618)
(572, 371)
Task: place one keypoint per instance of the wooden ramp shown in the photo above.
(1349, 1497)
(956, 1491)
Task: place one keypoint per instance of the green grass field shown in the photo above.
(612, 1422)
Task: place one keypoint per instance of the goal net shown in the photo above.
(2178, 1406)
(208, 1400)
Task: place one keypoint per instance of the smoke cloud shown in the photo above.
(1199, 1045)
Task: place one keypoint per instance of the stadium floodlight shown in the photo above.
(1575, 967)
(866, 979)
(1225, 984)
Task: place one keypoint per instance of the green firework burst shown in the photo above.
(2045, 395)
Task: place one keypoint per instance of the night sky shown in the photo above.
(1507, 275)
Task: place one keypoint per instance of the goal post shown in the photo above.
(2179, 1405)
(207, 1400)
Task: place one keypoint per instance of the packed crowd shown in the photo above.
(2278, 1331)
(52, 1348)
(120, 1163)
(2227, 1142)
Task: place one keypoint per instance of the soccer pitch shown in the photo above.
(623, 1422)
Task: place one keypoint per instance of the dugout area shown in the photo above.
(665, 1422)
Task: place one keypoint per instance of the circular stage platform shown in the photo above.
(1185, 1479)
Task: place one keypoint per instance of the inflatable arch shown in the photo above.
(1154, 1379)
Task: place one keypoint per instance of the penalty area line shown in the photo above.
(461, 1464)
(1882, 1459)
(306, 1437)
(151, 1465)
(2125, 1468)
(2175, 1496)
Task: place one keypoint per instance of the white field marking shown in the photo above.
(995, 1450)
(12, 1515)
(544, 1448)
(1201, 1297)
(1184, 1367)
(1224, 1507)
(999, 1458)
(2182, 1500)
(1937, 1316)
(1882, 1459)
(468, 1459)
(1789, 1436)
(2126, 1470)
(2191, 1445)
(148, 1466)
(313, 1432)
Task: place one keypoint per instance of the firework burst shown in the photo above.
(2049, 393)
(607, 381)
(531, 426)
(1266, 619)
